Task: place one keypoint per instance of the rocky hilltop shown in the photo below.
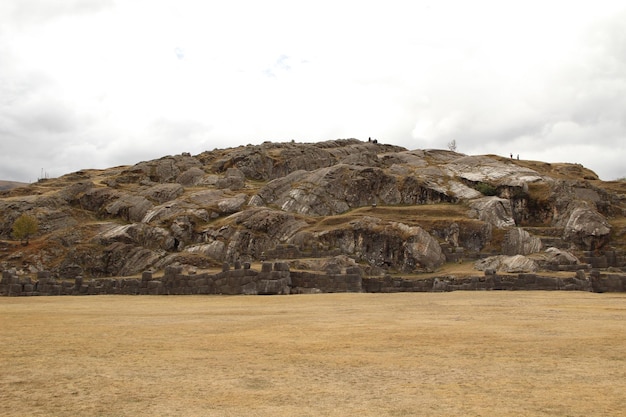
(327, 206)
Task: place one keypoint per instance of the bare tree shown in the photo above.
(452, 145)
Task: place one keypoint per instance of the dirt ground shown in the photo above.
(419, 354)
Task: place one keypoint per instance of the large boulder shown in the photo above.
(517, 241)
(586, 228)
(215, 249)
(166, 169)
(247, 234)
(94, 199)
(486, 169)
(341, 187)
(190, 177)
(162, 193)
(511, 264)
(122, 259)
(493, 210)
(232, 204)
(129, 207)
(168, 212)
(332, 190)
(139, 234)
(555, 259)
(560, 257)
(386, 244)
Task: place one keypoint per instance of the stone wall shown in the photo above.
(276, 278)
(272, 279)
(478, 283)
(310, 282)
(605, 258)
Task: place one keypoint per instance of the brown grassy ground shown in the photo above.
(446, 354)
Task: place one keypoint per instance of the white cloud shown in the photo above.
(106, 83)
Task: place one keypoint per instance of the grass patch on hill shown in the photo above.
(416, 215)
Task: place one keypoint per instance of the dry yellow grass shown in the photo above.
(446, 354)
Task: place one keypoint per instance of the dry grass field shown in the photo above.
(443, 354)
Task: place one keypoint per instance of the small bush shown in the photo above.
(486, 189)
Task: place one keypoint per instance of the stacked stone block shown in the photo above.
(605, 259)
(307, 282)
(276, 278)
(390, 284)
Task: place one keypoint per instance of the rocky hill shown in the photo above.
(7, 185)
(319, 206)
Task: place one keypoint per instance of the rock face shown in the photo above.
(493, 210)
(381, 208)
(387, 245)
(517, 241)
(510, 264)
(587, 228)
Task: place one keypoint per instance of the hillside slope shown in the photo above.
(382, 208)
(7, 185)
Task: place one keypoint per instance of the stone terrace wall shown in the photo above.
(273, 279)
(309, 282)
(487, 282)
(605, 258)
(276, 278)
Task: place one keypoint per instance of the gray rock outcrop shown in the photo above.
(385, 208)
(509, 264)
(493, 210)
(586, 228)
(517, 241)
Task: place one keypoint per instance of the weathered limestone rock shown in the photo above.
(477, 168)
(517, 241)
(274, 223)
(331, 190)
(215, 249)
(232, 205)
(96, 198)
(493, 210)
(234, 180)
(587, 228)
(206, 197)
(143, 215)
(555, 259)
(511, 264)
(122, 259)
(73, 191)
(390, 244)
(162, 193)
(162, 170)
(182, 230)
(129, 207)
(230, 183)
(173, 209)
(462, 191)
(190, 177)
(136, 233)
(560, 257)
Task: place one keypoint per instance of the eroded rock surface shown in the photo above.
(343, 203)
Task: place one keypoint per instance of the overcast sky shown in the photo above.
(101, 83)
